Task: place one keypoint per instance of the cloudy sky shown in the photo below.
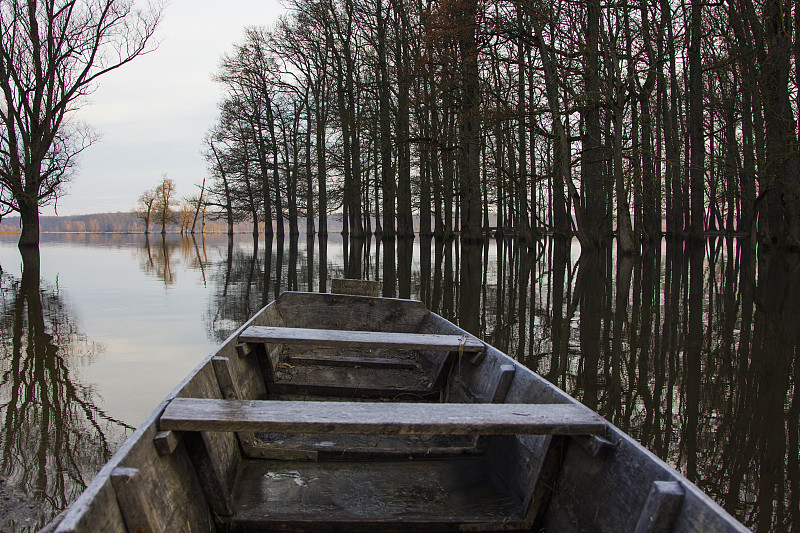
(152, 114)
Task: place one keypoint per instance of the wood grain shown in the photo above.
(355, 287)
(166, 442)
(372, 339)
(352, 362)
(335, 311)
(661, 508)
(134, 501)
(380, 417)
(461, 494)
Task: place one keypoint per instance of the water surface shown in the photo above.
(692, 351)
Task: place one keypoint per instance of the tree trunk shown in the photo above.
(561, 149)
(783, 159)
(592, 234)
(29, 216)
(322, 170)
(523, 220)
(261, 153)
(448, 169)
(384, 127)
(748, 175)
(199, 205)
(668, 120)
(275, 173)
(695, 123)
(405, 219)
(426, 163)
(651, 182)
(309, 173)
(627, 241)
(469, 128)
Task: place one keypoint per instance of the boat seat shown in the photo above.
(446, 494)
(356, 364)
(379, 418)
(367, 339)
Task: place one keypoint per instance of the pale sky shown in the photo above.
(152, 114)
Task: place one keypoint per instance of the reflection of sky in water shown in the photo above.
(148, 310)
(152, 335)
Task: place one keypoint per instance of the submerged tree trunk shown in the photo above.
(29, 216)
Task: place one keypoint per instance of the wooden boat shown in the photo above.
(330, 412)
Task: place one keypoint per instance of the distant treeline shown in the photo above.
(104, 223)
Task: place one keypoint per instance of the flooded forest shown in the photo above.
(690, 350)
(608, 192)
(662, 136)
(512, 118)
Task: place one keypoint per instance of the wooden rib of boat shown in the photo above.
(329, 412)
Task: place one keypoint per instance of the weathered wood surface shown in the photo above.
(355, 287)
(436, 495)
(326, 446)
(172, 486)
(335, 311)
(133, 496)
(543, 486)
(166, 442)
(380, 417)
(370, 339)
(243, 349)
(505, 376)
(661, 508)
(345, 377)
(211, 471)
(352, 362)
(304, 390)
(595, 446)
(608, 494)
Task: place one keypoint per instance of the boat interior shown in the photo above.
(368, 356)
(348, 413)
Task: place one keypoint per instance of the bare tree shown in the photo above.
(51, 54)
(164, 201)
(185, 214)
(144, 210)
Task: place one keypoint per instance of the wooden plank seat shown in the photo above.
(448, 494)
(347, 372)
(381, 418)
(327, 446)
(371, 339)
(352, 362)
(356, 364)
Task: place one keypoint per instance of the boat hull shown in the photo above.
(412, 477)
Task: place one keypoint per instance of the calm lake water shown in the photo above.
(692, 351)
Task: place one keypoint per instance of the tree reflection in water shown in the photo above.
(54, 439)
(692, 350)
(164, 256)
